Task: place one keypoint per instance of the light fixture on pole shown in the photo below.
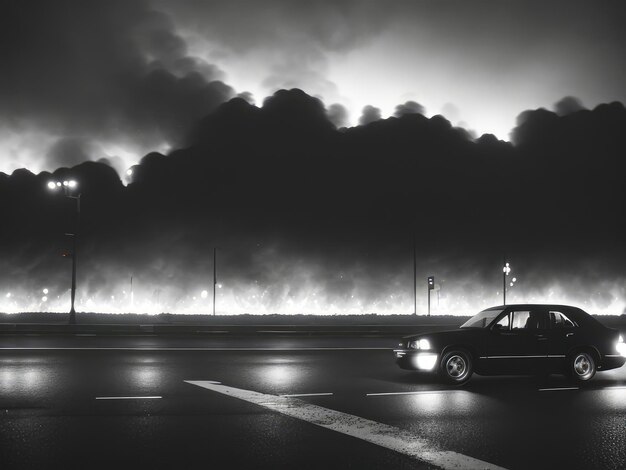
(506, 269)
(68, 186)
(431, 286)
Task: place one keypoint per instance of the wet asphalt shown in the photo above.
(57, 408)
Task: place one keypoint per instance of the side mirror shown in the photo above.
(497, 327)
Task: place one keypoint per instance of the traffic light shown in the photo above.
(431, 282)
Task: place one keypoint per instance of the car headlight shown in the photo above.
(621, 346)
(420, 344)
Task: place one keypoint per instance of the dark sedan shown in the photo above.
(517, 339)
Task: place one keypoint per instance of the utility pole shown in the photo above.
(214, 276)
(431, 286)
(414, 276)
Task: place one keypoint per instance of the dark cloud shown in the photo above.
(568, 105)
(112, 73)
(338, 115)
(369, 114)
(306, 216)
(410, 107)
(247, 96)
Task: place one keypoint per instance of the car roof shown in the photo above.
(577, 314)
(530, 306)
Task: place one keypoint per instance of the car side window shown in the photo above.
(560, 320)
(504, 322)
(529, 320)
(519, 319)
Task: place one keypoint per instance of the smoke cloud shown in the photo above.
(307, 218)
(91, 79)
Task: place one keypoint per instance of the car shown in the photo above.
(517, 339)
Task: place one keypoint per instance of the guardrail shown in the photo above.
(121, 329)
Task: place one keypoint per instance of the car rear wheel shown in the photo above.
(456, 367)
(581, 366)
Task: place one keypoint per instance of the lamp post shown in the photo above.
(506, 269)
(431, 286)
(214, 277)
(68, 186)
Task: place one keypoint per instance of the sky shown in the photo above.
(313, 145)
(117, 79)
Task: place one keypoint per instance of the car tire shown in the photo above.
(456, 367)
(581, 366)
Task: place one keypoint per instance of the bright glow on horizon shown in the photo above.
(237, 299)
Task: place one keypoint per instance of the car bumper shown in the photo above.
(612, 362)
(411, 359)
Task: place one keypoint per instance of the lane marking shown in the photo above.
(383, 435)
(129, 398)
(419, 392)
(296, 395)
(186, 349)
(558, 389)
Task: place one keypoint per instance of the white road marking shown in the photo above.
(129, 398)
(296, 395)
(390, 437)
(188, 349)
(419, 392)
(557, 389)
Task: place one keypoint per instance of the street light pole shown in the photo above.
(414, 276)
(67, 186)
(214, 276)
(506, 269)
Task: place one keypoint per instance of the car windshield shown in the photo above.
(482, 319)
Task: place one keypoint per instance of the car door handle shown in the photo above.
(567, 335)
(541, 338)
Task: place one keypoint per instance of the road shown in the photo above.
(176, 402)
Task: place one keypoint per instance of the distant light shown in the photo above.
(8, 295)
(45, 291)
(204, 294)
(511, 284)
(514, 279)
(129, 172)
(52, 185)
(72, 183)
(66, 183)
(58, 184)
(219, 286)
(44, 299)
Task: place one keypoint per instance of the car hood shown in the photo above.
(446, 336)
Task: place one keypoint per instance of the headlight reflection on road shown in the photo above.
(23, 380)
(282, 375)
(148, 375)
(614, 398)
(438, 401)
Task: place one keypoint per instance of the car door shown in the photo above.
(562, 335)
(520, 343)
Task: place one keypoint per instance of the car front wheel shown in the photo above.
(581, 366)
(456, 367)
